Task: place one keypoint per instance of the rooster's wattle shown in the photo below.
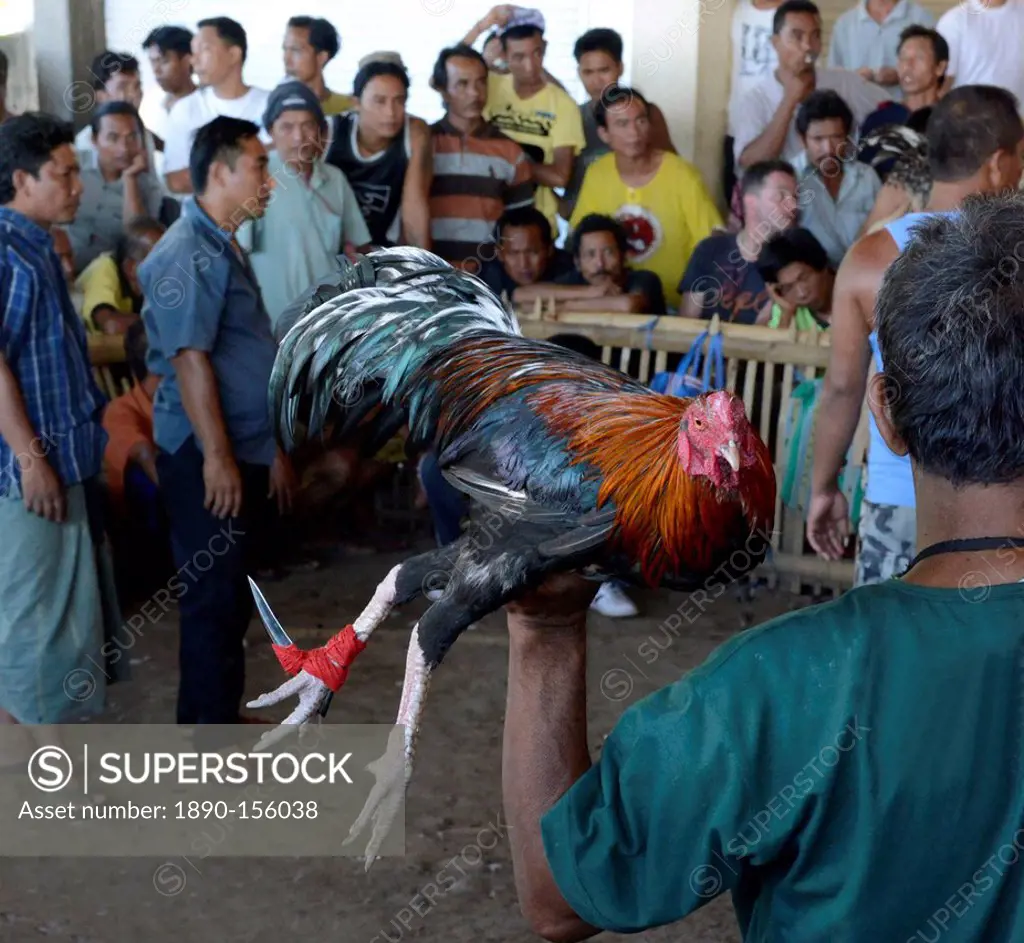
(568, 464)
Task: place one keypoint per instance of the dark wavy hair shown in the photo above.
(323, 36)
(821, 105)
(615, 95)
(787, 247)
(27, 141)
(597, 222)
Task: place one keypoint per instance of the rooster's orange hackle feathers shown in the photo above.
(668, 521)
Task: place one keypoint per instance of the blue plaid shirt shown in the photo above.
(42, 338)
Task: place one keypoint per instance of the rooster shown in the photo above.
(906, 151)
(568, 464)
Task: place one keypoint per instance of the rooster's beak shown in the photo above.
(731, 454)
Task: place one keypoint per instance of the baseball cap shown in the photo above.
(382, 56)
(522, 16)
(291, 96)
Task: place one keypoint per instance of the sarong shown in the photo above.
(58, 612)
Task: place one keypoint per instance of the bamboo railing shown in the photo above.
(772, 358)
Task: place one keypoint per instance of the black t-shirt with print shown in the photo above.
(731, 286)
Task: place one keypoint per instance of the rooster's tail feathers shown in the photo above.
(356, 339)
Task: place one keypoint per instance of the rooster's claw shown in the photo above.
(313, 694)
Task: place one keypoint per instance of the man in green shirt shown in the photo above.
(314, 215)
(851, 771)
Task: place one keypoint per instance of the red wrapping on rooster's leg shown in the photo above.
(329, 663)
(315, 675)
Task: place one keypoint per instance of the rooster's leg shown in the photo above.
(477, 586)
(312, 692)
(393, 770)
(404, 582)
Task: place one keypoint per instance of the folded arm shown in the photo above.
(768, 145)
(558, 172)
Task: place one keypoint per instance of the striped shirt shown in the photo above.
(476, 179)
(42, 339)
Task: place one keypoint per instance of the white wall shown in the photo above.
(22, 84)
(418, 29)
(16, 43)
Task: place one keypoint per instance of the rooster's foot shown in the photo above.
(311, 692)
(387, 798)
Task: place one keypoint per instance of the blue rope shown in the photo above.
(649, 329)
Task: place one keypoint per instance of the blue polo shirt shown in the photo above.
(202, 295)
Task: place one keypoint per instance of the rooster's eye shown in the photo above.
(698, 423)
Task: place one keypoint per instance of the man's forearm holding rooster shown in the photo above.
(545, 747)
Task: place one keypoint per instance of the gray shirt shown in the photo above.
(860, 42)
(759, 104)
(99, 221)
(202, 295)
(836, 223)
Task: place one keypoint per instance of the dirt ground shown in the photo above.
(456, 788)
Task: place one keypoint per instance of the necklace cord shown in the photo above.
(964, 545)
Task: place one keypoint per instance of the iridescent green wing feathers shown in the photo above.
(366, 330)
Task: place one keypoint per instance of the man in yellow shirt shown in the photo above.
(310, 42)
(530, 108)
(109, 285)
(657, 196)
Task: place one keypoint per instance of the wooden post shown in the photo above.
(68, 34)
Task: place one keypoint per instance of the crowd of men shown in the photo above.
(357, 170)
(187, 224)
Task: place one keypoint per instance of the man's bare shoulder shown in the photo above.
(419, 138)
(874, 252)
(860, 275)
(865, 263)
